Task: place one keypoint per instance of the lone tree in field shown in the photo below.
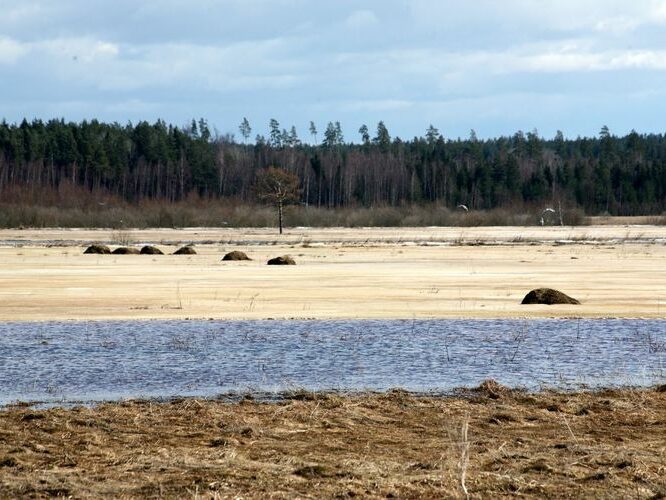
(279, 187)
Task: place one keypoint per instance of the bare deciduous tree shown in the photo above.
(278, 187)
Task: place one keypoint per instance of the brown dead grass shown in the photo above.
(605, 444)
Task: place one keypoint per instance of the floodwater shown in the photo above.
(66, 362)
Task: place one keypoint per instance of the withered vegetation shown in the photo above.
(592, 444)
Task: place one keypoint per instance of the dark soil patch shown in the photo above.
(8, 462)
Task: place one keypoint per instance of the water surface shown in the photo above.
(90, 361)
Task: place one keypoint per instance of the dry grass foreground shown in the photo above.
(615, 271)
(610, 444)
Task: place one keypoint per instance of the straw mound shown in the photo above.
(284, 260)
(548, 296)
(186, 250)
(98, 249)
(492, 389)
(126, 251)
(149, 250)
(236, 255)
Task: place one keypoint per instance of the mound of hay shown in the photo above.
(126, 251)
(548, 296)
(148, 250)
(97, 248)
(284, 260)
(236, 255)
(186, 250)
(492, 389)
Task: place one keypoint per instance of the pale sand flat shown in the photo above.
(615, 271)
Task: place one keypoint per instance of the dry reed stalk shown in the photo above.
(464, 454)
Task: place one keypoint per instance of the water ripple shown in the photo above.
(65, 361)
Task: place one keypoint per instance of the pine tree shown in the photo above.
(275, 133)
(365, 135)
(432, 134)
(382, 139)
(245, 129)
(313, 132)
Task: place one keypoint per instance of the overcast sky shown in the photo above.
(496, 66)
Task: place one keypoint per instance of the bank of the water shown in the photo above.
(494, 442)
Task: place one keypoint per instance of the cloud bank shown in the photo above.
(493, 66)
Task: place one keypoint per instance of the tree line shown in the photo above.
(158, 161)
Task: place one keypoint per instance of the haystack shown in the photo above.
(236, 255)
(149, 250)
(98, 248)
(186, 250)
(548, 296)
(284, 260)
(126, 251)
(492, 389)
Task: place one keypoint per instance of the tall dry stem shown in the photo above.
(464, 454)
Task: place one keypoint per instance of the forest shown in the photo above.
(160, 162)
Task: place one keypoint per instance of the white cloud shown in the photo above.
(364, 59)
(554, 61)
(518, 18)
(243, 66)
(82, 50)
(20, 13)
(657, 13)
(567, 57)
(108, 66)
(617, 25)
(11, 51)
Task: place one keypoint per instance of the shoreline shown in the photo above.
(334, 319)
(548, 444)
(489, 387)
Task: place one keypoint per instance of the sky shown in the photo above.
(495, 66)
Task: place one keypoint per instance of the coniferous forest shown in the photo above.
(367, 168)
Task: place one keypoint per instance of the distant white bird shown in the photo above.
(463, 207)
(543, 213)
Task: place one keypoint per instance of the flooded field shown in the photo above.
(61, 362)
(428, 310)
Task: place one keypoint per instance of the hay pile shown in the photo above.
(126, 251)
(186, 250)
(236, 255)
(548, 296)
(284, 260)
(98, 248)
(150, 250)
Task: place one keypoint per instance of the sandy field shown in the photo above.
(609, 444)
(614, 270)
